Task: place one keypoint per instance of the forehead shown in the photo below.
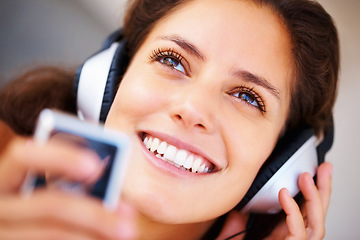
(235, 33)
(231, 16)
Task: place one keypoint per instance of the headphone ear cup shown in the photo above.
(116, 72)
(97, 79)
(294, 154)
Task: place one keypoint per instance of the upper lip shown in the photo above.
(181, 145)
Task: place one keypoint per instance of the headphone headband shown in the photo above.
(89, 106)
(97, 80)
(294, 154)
(96, 83)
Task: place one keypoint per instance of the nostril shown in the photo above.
(200, 125)
(190, 120)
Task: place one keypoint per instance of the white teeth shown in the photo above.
(146, 139)
(178, 157)
(189, 162)
(201, 168)
(162, 148)
(170, 153)
(196, 165)
(155, 144)
(159, 156)
(148, 143)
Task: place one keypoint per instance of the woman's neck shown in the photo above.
(148, 229)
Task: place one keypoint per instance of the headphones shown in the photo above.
(97, 79)
(96, 82)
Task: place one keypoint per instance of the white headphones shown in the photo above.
(95, 86)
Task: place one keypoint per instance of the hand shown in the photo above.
(49, 214)
(307, 222)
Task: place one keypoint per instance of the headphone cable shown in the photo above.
(248, 226)
(236, 234)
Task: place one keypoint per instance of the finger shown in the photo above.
(57, 157)
(57, 208)
(313, 206)
(37, 232)
(53, 230)
(54, 158)
(324, 179)
(294, 219)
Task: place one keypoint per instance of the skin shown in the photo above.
(197, 109)
(317, 199)
(50, 214)
(84, 218)
(200, 107)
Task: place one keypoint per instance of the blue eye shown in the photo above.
(173, 63)
(249, 96)
(169, 58)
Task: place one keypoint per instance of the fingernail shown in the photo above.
(126, 225)
(88, 163)
(125, 209)
(287, 192)
(310, 178)
(125, 230)
(331, 168)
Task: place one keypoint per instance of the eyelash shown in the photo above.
(159, 55)
(252, 95)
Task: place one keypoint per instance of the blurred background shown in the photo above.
(65, 32)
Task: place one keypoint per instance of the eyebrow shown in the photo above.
(243, 74)
(250, 77)
(186, 45)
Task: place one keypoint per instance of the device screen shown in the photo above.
(105, 151)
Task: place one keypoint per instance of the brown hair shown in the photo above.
(24, 97)
(315, 55)
(315, 48)
(142, 16)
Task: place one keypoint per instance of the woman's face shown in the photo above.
(208, 93)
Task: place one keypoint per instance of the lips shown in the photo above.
(180, 158)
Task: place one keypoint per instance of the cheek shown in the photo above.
(247, 149)
(250, 142)
(135, 100)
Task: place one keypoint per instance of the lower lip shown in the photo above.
(165, 166)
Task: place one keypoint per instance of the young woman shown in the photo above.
(220, 82)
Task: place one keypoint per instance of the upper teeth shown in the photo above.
(178, 157)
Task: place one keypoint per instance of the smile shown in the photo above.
(180, 158)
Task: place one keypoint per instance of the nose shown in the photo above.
(194, 110)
